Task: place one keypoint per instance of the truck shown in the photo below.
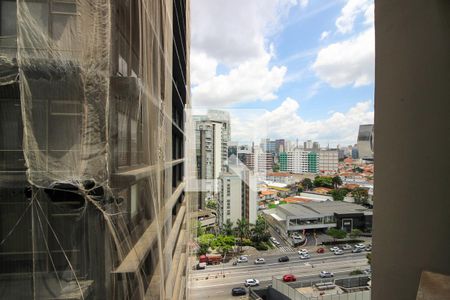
(210, 259)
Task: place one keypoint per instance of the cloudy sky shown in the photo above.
(306, 68)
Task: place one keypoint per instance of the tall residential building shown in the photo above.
(212, 138)
(283, 161)
(328, 161)
(237, 196)
(365, 141)
(92, 190)
(297, 161)
(313, 162)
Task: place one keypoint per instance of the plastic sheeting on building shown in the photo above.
(92, 94)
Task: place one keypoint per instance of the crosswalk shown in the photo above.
(286, 249)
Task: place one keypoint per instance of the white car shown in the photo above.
(325, 274)
(332, 249)
(346, 247)
(277, 243)
(251, 282)
(338, 252)
(296, 236)
(302, 251)
(242, 259)
(259, 261)
(361, 246)
(305, 256)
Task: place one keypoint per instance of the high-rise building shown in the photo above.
(212, 138)
(328, 161)
(297, 161)
(283, 161)
(237, 196)
(313, 162)
(92, 191)
(307, 145)
(365, 141)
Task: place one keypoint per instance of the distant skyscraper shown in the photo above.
(365, 141)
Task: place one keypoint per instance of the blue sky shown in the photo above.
(307, 64)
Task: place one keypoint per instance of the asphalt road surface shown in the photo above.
(216, 282)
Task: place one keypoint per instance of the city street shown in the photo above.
(216, 282)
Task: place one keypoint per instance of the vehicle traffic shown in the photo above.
(259, 261)
(283, 259)
(242, 259)
(326, 274)
(238, 291)
(289, 278)
(305, 256)
(251, 282)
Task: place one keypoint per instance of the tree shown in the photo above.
(339, 194)
(211, 204)
(260, 233)
(276, 167)
(360, 195)
(206, 239)
(323, 181)
(355, 233)
(337, 181)
(242, 228)
(336, 233)
(223, 243)
(200, 229)
(307, 184)
(227, 228)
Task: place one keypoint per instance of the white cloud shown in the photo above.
(350, 12)
(324, 35)
(350, 62)
(304, 3)
(203, 67)
(234, 34)
(284, 121)
(250, 81)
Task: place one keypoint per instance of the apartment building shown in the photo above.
(92, 99)
(297, 161)
(237, 196)
(328, 161)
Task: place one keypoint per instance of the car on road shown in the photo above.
(326, 274)
(283, 259)
(276, 243)
(242, 259)
(238, 291)
(302, 251)
(356, 250)
(320, 250)
(251, 282)
(346, 247)
(289, 278)
(305, 256)
(332, 249)
(338, 252)
(361, 246)
(260, 261)
(201, 266)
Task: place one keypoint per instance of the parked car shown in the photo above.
(289, 277)
(356, 250)
(302, 251)
(325, 274)
(242, 259)
(201, 266)
(251, 282)
(277, 243)
(260, 261)
(283, 259)
(361, 246)
(238, 291)
(305, 256)
(332, 249)
(346, 247)
(296, 236)
(338, 252)
(369, 247)
(320, 250)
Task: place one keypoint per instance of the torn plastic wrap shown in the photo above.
(91, 171)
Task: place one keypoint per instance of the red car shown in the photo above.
(289, 277)
(320, 250)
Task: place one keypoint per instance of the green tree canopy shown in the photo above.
(307, 184)
(355, 233)
(211, 204)
(323, 181)
(339, 194)
(337, 181)
(200, 229)
(260, 232)
(227, 228)
(361, 195)
(336, 233)
(223, 243)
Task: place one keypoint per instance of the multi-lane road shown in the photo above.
(216, 282)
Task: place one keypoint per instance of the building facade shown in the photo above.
(328, 161)
(297, 161)
(313, 162)
(92, 191)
